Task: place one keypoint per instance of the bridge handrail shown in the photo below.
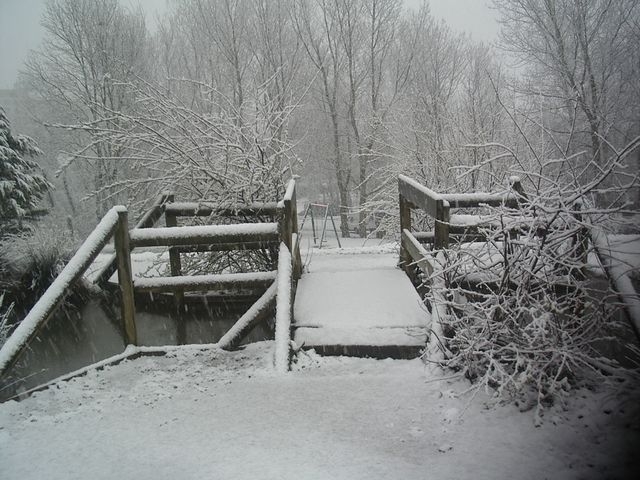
(44, 308)
(115, 224)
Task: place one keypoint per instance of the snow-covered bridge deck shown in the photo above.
(356, 301)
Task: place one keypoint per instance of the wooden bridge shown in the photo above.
(348, 302)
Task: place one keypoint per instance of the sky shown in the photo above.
(20, 29)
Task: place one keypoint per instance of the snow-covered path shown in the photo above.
(212, 414)
(355, 297)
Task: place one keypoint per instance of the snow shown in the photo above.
(288, 194)
(159, 235)
(206, 413)
(88, 251)
(356, 300)
(459, 200)
(283, 309)
(195, 281)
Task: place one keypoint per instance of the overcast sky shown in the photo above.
(20, 29)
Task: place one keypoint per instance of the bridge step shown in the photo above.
(359, 305)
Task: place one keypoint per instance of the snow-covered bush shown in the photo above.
(530, 315)
(29, 263)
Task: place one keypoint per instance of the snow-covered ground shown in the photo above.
(212, 414)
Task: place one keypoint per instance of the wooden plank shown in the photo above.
(420, 196)
(174, 256)
(205, 209)
(225, 281)
(441, 229)
(474, 200)
(417, 252)
(209, 234)
(289, 219)
(44, 308)
(424, 237)
(222, 247)
(175, 266)
(125, 282)
(259, 311)
(405, 224)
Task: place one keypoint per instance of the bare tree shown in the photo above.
(579, 50)
(89, 49)
(318, 27)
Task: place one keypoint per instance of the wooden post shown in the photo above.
(287, 224)
(295, 250)
(175, 265)
(516, 186)
(125, 280)
(405, 224)
(441, 228)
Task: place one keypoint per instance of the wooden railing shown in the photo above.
(438, 206)
(243, 236)
(414, 255)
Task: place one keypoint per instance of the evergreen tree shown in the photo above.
(22, 183)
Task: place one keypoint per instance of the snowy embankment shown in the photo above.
(211, 414)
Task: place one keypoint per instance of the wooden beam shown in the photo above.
(474, 200)
(419, 256)
(205, 209)
(225, 281)
(421, 196)
(125, 282)
(209, 234)
(223, 247)
(405, 224)
(259, 311)
(441, 229)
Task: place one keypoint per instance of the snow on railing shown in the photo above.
(188, 235)
(226, 237)
(619, 277)
(284, 304)
(57, 291)
(189, 209)
(224, 281)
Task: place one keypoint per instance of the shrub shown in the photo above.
(28, 265)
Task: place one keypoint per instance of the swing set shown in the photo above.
(309, 212)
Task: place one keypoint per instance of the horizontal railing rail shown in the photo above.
(205, 209)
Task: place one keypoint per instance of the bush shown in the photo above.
(29, 263)
(524, 319)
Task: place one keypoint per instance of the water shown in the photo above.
(77, 339)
